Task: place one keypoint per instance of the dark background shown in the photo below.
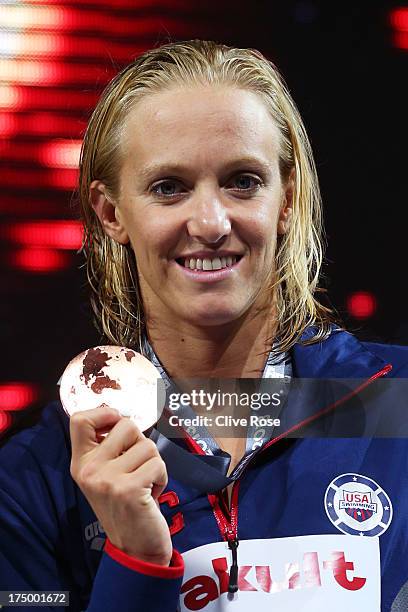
(346, 67)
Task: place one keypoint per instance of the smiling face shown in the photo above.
(200, 182)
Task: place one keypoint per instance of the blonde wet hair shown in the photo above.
(111, 267)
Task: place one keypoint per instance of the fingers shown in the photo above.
(151, 476)
(125, 449)
(136, 455)
(84, 424)
(121, 437)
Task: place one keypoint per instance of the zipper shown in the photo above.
(229, 531)
(229, 527)
(233, 579)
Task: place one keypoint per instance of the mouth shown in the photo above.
(209, 270)
(205, 266)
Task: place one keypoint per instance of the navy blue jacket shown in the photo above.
(50, 539)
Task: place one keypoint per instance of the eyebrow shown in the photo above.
(254, 163)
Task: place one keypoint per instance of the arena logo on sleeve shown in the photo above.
(310, 573)
(357, 505)
(95, 535)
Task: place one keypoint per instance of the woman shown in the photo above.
(203, 240)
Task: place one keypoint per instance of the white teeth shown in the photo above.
(209, 264)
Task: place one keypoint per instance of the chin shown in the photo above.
(212, 317)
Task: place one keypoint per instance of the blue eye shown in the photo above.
(246, 182)
(166, 187)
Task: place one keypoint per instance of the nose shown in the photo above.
(209, 218)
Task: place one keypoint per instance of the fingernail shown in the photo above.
(104, 405)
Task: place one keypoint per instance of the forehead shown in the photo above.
(199, 125)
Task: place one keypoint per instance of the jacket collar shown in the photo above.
(341, 355)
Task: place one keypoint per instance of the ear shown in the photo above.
(108, 214)
(285, 214)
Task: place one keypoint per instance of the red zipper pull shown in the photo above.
(229, 531)
(233, 544)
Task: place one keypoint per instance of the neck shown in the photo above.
(238, 349)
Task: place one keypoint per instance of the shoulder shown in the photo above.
(37, 492)
(396, 355)
(341, 354)
(43, 448)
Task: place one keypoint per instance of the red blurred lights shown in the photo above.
(34, 73)
(17, 396)
(41, 124)
(32, 17)
(45, 234)
(14, 44)
(361, 304)
(9, 96)
(44, 243)
(42, 97)
(400, 40)
(399, 22)
(5, 421)
(61, 154)
(39, 260)
(399, 19)
(39, 178)
(58, 153)
(63, 178)
(8, 124)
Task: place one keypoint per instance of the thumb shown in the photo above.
(84, 425)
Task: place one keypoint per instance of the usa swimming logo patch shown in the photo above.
(357, 505)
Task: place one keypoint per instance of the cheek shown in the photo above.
(261, 229)
(153, 239)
